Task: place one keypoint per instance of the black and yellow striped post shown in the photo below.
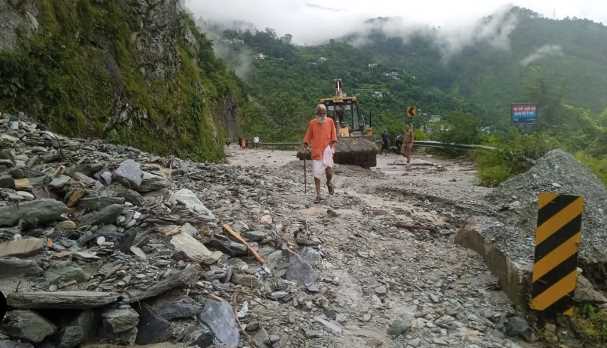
(557, 239)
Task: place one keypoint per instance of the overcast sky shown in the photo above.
(313, 20)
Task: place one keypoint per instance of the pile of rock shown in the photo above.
(507, 241)
(98, 243)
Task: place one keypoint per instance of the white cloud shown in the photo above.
(542, 52)
(312, 21)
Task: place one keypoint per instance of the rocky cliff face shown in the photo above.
(131, 71)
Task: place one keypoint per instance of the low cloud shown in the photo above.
(494, 30)
(234, 53)
(542, 52)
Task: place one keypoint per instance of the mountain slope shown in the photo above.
(134, 72)
(502, 60)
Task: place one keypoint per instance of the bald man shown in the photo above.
(321, 137)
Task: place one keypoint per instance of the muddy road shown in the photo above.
(389, 272)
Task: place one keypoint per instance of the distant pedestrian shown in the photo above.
(255, 141)
(321, 137)
(409, 140)
(385, 142)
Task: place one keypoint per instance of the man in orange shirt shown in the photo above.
(321, 136)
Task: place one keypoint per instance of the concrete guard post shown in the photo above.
(557, 239)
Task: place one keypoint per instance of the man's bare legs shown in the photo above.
(329, 173)
(317, 186)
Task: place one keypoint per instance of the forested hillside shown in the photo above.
(132, 72)
(390, 70)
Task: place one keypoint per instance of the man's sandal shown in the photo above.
(317, 200)
(331, 188)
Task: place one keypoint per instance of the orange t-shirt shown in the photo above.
(319, 136)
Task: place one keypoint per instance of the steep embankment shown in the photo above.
(133, 72)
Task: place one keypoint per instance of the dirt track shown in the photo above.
(388, 254)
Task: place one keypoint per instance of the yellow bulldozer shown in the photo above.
(355, 144)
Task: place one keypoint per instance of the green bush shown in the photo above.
(597, 165)
(590, 323)
(515, 153)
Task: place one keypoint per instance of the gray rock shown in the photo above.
(104, 177)
(261, 338)
(41, 211)
(12, 266)
(24, 196)
(192, 203)
(99, 202)
(220, 318)
(199, 336)
(11, 344)
(59, 182)
(152, 327)
(332, 326)
(140, 254)
(229, 247)
(63, 272)
(300, 271)
(87, 181)
(517, 327)
(77, 331)
(381, 290)
(129, 173)
(129, 195)
(66, 225)
(21, 247)
(152, 183)
(194, 249)
(27, 325)
(244, 279)
(310, 255)
(256, 236)
(399, 327)
(118, 320)
(586, 293)
(107, 215)
(183, 307)
(7, 181)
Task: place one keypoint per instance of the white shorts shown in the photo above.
(319, 166)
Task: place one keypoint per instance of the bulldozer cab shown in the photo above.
(348, 118)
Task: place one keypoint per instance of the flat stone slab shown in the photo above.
(60, 299)
(194, 249)
(21, 247)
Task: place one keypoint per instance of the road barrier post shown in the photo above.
(557, 239)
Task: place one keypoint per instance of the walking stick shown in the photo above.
(305, 173)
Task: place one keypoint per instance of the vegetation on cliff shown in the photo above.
(122, 70)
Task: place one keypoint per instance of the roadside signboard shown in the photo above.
(411, 111)
(524, 113)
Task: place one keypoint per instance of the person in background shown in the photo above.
(321, 137)
(409, 140)
(255, 141)
(385, 142)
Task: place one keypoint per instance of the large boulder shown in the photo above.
(129, 173)
(32, 213)
(219, 317)
(27, 325)
(192, 202)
